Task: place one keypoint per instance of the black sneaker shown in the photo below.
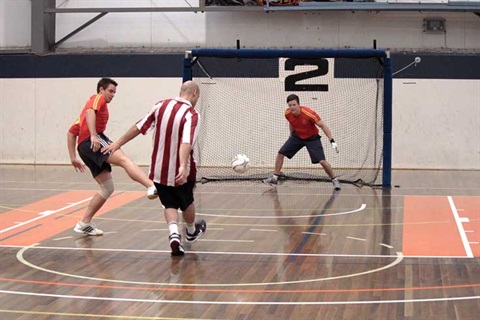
(176, 245)
(200, 228)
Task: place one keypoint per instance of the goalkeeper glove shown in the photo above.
(334, 145)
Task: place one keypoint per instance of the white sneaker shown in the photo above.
(336, 184)
(273, 180)
(88, 229)
(152, 192)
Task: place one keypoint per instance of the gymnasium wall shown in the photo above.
(436, 115)
(436, 104)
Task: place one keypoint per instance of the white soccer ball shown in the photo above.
(240, 163)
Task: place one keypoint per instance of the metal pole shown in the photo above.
(387, 123)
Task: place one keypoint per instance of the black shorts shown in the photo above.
(95, 161)
(176, 197)
(294, 144)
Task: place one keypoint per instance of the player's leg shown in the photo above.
(195, 229)
(119, 158)
(101, 172)
(85, 226)
(328, 168)
(169, 200)
(289, 149)
(317, 155)
(278, 163)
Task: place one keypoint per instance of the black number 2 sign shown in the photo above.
(291, 80)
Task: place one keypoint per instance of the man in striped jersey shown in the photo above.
(303, 123)
(173, 170)
(89, 128)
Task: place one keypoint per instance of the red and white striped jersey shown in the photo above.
(174, 122)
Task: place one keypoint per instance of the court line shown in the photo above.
(171, 289)
(338, 255)
(461, 230)
(362, 207)
(44, 214)
(386, 245)
(238, 302)
(236, 191)
(358, 239)
(89, 315)
(20, 258)
(220, 240)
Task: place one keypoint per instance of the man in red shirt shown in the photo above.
(89, 128)
(173, 170)
(304, 133)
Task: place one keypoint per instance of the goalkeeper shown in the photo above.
(304, 133)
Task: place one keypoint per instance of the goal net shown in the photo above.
(243, 99)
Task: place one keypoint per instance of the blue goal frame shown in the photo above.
(312, 54)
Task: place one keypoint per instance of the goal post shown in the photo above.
(243, 98)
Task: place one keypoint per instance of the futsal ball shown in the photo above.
(240, 163)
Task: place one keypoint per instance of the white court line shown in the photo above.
(21, 258)
(220, 240)
(278, 254)
(386, 245)
(264, 230)
(64, 238)
(463, 236)
(362, 207)
(320, 234)
(237, 302)
(44, 214)
(359, 239)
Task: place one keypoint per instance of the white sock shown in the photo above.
(275, 176)
(173, 227)
(191, 228)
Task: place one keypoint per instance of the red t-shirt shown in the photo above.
(75, 128)
(99, 105)
(303, 124)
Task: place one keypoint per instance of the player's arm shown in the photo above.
(143, 126)
(191, 125)
(71, 143)
(183, 154)
(91, 118)
(131, 133)
(328, 133)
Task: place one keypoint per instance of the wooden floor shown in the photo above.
(298, 251)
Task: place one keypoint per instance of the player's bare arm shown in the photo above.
(325, 129)
(91, 118)
(328, 133)
(183, 154)
(71, 142)
(131, 133)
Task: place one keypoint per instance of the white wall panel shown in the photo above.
(18, 121)
(56, 110)
(436, 124)
(15, 23)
